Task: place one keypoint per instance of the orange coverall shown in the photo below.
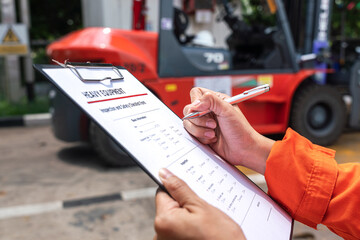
(306, 180)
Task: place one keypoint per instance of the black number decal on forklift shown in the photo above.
(135, 67)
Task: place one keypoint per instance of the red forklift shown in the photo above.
(291, 56)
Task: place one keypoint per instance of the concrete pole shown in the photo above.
(13, 90)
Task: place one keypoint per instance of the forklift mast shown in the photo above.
(309, 23)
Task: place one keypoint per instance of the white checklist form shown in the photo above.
(155, 138)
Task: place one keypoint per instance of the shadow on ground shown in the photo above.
(83, 155)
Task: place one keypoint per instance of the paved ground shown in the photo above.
(36, 169)
(41, 178)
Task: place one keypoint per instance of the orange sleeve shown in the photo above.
(306, 180)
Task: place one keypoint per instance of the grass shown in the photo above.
(39, 105)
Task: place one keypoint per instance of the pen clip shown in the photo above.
(265, 87)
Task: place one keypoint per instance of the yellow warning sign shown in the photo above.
(10, 37)
(13, 39)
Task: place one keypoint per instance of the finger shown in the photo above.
(204, 134)
(164, 202)
(196, 93)
(204, 100)
(206, 121)
(178, 189)
(211, 101)
(223, 96)
(155, 237)
(186, 109)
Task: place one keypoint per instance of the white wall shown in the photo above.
(152, 20)
(118, 14)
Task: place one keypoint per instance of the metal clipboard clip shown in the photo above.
(84, 71)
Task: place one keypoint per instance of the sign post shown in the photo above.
(12, 91)
(28, 62)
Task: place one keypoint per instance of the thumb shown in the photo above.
(177, 188)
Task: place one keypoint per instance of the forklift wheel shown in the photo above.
(107, 149)
(318, 113)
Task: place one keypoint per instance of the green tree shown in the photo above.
(346, 16)
(53, 19)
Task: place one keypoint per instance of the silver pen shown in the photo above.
(234, 100)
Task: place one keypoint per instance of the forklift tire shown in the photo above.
(107, 149)
(318, 113)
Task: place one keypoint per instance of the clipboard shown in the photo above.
(154, 137)
(84, 73)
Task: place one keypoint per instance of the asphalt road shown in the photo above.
(55, 190)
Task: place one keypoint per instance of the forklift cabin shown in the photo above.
(251, 49)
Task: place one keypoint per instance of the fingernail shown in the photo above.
(209, 134)
(196, 102)
(164, 173)
(211, 124)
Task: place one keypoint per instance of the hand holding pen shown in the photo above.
(227, 130)
(234, 100)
